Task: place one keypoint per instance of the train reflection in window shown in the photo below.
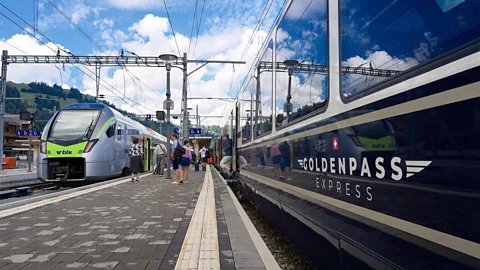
(264, 102)
(301, 60)
(400, 35)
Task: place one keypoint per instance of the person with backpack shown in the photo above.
(177, 153)
(159, 155)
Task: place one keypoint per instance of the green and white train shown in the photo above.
(90, 143)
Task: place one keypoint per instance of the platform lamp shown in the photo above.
(168, 105)
(291, 64)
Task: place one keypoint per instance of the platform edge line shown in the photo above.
(265, 254)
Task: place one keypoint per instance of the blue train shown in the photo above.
(361, 130)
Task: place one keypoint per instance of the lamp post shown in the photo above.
(291, 64)
(168, 105)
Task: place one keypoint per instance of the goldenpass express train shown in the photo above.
(89, 143)
(360, 125)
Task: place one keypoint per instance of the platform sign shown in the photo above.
(175, 130)
(195, 131)
(149, 116)
(25, 132)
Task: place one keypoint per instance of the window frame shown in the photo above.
(118, 136)
(114, 125)
(327, 100)
(453, 55)
(255, 136)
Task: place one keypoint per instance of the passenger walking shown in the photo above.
(176, 158)
(227, 153)
(286, 156)
(136, 154)
(203, 158)
(160, 155)
(186, 159)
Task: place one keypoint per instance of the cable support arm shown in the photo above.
(88, 60)
(321, 69)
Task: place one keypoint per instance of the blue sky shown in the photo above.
(141, 26)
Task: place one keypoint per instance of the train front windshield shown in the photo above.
(74, 125)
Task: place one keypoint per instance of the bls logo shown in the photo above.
(64, 152)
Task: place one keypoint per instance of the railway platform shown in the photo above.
(118, 224)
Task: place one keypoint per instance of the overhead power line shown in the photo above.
(76, 26)
(193, 25)
(198, 30)
(88, 36)
(171, 25)
(55, 51)
(261, 18)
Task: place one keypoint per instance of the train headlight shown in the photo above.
(90, 145)
(43, 147)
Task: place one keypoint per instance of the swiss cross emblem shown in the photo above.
(335, 143)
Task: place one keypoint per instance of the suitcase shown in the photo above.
(197, 166)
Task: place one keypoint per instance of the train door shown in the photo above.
(146, 153)
(235, 136)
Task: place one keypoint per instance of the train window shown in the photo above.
(383, 39)
(119, 132)
(110, 131)
(263, 99)
(301, 59)
(246, 111)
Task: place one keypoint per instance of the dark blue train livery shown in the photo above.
(361, 132)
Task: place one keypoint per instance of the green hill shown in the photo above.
(46, 99)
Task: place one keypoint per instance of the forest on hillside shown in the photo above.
(46, 99)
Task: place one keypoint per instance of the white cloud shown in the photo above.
(379, 59)
(77, 10)
(136, 4)
(22, 73)
(151, 35)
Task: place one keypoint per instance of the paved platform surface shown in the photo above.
(122, 225)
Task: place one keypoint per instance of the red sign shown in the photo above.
(335, 143)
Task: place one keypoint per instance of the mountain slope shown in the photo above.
(51, 98)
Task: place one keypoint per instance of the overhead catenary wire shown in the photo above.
(171, 25)
(258, 53)
(53, 50)
(261, 18)
(198, 30)
(193, 26)
(86, 34)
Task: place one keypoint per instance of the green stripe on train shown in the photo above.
(104, 126)
(59, 151)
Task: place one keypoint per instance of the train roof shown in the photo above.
(114, 112)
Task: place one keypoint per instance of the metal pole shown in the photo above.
(198, 122)
(30, 156)
(3, 92)
(97, 79)
(184, 99)
(250, 129)
(257, 102)
(169, 131)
